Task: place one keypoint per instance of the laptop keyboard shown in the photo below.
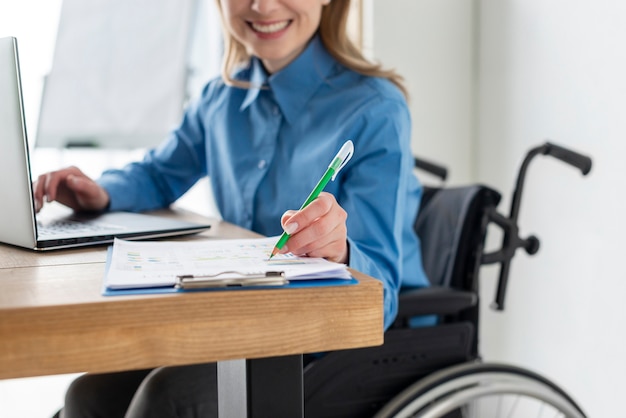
(72, 227)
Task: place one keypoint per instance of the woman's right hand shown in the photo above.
(71, 187)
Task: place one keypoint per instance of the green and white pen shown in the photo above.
(340, 160)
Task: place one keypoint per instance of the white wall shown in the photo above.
(556, 69)
(430, 43)
(491, 79)
(34, 23)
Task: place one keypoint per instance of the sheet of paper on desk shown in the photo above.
(144, 264)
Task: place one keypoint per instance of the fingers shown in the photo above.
(285, 218)
(38, 193)
(45, 187)
(319, 230)
(71, 187)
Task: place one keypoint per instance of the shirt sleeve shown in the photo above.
(381, 196)
(165, 173)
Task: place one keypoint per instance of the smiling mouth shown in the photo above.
(269, 28)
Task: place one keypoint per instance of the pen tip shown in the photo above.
(274, 252)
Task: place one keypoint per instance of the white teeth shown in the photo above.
(271, 28)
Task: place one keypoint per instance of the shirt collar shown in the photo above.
(258, 80)
(294, 85)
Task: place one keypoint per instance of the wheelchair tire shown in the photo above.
(481, 390)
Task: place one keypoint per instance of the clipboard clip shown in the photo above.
(231, 278)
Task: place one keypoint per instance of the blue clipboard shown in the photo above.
(294, 284)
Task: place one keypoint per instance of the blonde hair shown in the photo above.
(334, 35)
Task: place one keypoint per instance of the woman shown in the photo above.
(293, 90)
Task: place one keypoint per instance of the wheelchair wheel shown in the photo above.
(482, 390)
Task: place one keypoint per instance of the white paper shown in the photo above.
(140, 264)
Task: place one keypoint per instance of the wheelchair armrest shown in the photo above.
(434, 301)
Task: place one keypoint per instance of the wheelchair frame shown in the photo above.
(433, 371)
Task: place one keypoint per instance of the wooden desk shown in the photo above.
(53, 318)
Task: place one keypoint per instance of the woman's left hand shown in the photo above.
(318, 230)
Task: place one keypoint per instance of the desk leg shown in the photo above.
(231, 389)
(275, 387)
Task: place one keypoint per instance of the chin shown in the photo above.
(271, 54)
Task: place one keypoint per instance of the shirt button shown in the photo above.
(262, 164)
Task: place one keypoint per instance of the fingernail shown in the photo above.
(291, 228)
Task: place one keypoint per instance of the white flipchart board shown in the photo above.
(119, 73)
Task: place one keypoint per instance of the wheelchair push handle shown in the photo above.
(432, 168)
(511, 240)
(582, 162)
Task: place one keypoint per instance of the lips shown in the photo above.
(269, 28)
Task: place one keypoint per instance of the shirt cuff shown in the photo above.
(359, 261)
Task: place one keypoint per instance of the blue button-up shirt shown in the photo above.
(265, 148)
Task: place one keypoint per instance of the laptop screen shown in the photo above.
(17, 223)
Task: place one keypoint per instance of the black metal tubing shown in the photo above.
(511, 240)
(431, 168)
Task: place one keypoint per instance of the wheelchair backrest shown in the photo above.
(452, 226)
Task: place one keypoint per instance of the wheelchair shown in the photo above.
(436, 371)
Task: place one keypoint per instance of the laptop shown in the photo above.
(19, 224)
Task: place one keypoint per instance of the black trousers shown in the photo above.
(182, 392)
(165, 392)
